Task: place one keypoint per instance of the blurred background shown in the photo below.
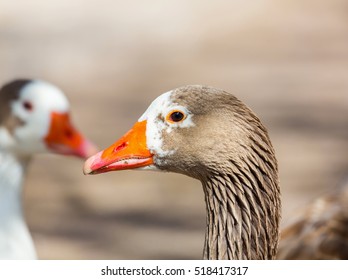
(287, 59)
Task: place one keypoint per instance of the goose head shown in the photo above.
(210, 135)
(34, 118)
(192, 130)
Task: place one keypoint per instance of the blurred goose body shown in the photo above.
(34, 118)
(210, 135)
(321, 231)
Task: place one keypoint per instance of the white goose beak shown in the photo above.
(63, 138)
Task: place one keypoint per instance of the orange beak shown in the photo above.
(128, 152)
(63, 138)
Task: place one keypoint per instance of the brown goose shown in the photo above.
(212, 136)
(320, 232)
(34, 118)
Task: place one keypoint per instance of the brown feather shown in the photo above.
(230, 152)
(321, 231)
(8, 93)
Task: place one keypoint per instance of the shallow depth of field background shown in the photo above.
(288, 60)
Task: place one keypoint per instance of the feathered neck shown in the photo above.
(243, 207)
(15, 240)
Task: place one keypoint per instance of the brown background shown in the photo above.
(287, 59)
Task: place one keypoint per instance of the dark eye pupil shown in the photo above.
(176, 116)
(27, 106)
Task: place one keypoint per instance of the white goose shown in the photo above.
(210, 135)
(34, 118)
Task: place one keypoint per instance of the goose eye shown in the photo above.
(176, 116)
(27, 106)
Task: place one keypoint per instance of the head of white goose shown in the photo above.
(209, 134)
(34, 117)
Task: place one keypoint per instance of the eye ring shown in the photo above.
(176, 116)
(28, 106)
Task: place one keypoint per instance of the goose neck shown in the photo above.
(15, 240)
(242, 221)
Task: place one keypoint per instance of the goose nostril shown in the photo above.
(68, 133)
(120, 147)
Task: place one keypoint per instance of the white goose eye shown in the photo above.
(176, 116)
(28, 106)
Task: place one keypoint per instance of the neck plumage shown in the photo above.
(243, 213)
(15, 240)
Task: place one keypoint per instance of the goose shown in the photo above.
(210, 135)
(34, 118)
(321, 231)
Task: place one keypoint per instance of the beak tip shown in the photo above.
(89, 149)
(92, 163)
(87, 170)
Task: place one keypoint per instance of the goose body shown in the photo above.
(34, 118)
(15, 239)
(321, 231)
(210, 135)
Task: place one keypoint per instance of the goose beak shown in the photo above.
(63, 138)
(128, 152)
